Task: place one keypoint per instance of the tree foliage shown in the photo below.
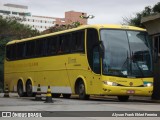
(15, 30)
(136, 21)
(156, 8)
(11, 29)
(57, 28)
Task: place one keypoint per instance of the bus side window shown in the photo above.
(92, 40)
(30, 49)
(8, 52)
(64, 43)
(78, 41)
(20, 50)
(39, 47)
(96, 60)
(51, 45)
(13, 51)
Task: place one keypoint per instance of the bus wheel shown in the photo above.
(29, 89)
(82, 91)
(56, 95)
(20, 89)
(66, 95)
(123, 98)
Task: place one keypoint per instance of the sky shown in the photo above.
(105, 11)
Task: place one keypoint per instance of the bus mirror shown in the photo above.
(101, 46)
(155, 55)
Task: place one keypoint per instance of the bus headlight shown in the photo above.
(110, 83)
(148, 84)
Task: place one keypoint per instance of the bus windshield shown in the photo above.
(126, 53)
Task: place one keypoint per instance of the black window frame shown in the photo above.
(48, 42)
(20, 47)
(91, 43)
(64, 45)
(40, 47)
(31, 48)
(29, 52)
(75, 35)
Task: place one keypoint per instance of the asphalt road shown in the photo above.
(15, 103)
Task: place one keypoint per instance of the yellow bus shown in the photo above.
(113, 60)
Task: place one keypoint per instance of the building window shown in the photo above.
(14, 13)
(156, 43)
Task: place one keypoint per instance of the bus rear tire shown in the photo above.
(82, 91)
(56, 95)
(123, 98)
(20, 91)
(66, 95)
(29, 89)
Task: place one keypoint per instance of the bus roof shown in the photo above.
(97, 26)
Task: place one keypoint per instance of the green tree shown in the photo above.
(136, 20)
(57, 28)
(156, 8)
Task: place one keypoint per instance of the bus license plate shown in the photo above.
(130, 91)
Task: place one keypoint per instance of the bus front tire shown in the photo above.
(123, 98)
(66, 95)
(56, 95)
(82, 91)
(20, 89)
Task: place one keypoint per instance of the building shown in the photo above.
(21, 13)
(40, 23)
(152, 24)
(71, 17)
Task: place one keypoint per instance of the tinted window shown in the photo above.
(64, 43)
(96, 60)
(51, 45)
(78, 41)
(92, 40)
(20, 50)
(8, 51)
(11, 52)
(40, 47)
(30, 48)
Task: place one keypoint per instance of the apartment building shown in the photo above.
(40, 23)
(71, 17)
(21, 12)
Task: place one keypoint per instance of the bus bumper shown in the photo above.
(119, 90)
